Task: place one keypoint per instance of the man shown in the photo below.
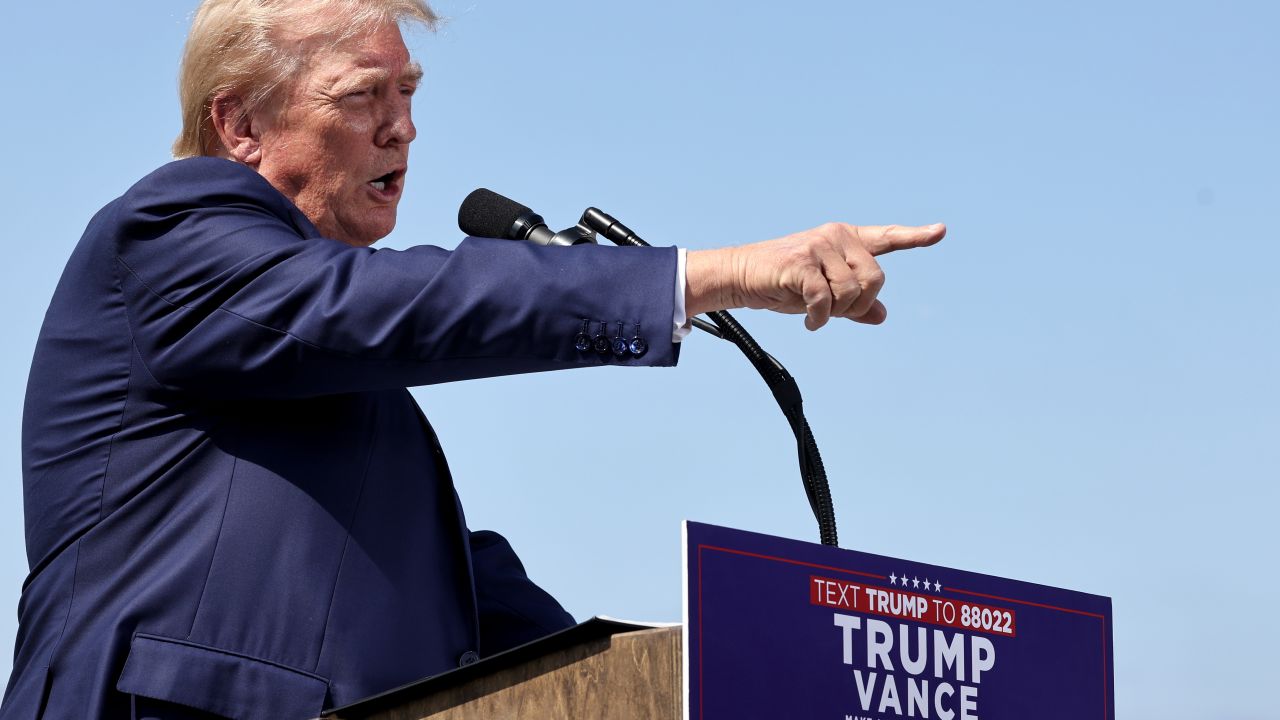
(234, 507)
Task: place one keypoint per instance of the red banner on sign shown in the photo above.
(905, 605)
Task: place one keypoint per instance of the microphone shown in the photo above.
(485, 213)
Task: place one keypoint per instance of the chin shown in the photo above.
(366, 241)
(371, 233)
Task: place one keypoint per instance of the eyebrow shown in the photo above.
(412, 73)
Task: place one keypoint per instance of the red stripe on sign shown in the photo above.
(789, 561)
(905, 605)
(1028, 602)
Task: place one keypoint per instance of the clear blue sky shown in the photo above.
(1075, 388)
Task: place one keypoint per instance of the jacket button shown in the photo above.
(469, 657)
(638, 346)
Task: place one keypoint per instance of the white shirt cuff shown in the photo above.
(681, 324)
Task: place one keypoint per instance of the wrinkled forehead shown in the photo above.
(377, 54)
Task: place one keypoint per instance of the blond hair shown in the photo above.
(251, 48)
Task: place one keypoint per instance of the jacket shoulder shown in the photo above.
(201, 183)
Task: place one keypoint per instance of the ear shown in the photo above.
(239, 132)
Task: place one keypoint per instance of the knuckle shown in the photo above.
(845, 296)
(847, 288)
(817, 291)
(832, 233)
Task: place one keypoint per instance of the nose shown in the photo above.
(397, 127)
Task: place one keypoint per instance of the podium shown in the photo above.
(777, 628)
(602, 668)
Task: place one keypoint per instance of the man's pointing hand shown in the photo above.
(829, 271)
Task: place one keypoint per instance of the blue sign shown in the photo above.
(778, 628)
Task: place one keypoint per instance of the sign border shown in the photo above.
(684, 546)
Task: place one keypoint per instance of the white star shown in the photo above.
(937, 587)
(926, 583)
(893, 579)
(915, 582)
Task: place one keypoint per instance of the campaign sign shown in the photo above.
(778, 628)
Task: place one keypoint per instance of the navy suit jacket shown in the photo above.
(232, 502)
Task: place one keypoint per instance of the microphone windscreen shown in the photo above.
(487, 214)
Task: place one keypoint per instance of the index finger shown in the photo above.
(881, 239)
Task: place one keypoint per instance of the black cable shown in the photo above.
(785, 390)
(787, 393)
(707, 327)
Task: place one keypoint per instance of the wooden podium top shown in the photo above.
(601, 668)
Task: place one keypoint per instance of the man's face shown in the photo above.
(339, 147)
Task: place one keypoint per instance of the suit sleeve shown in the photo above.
(513, 610)
(230, 291)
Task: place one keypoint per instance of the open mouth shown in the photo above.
(387, 183)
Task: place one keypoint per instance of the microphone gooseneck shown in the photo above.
(488, 214)
(786, 392)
